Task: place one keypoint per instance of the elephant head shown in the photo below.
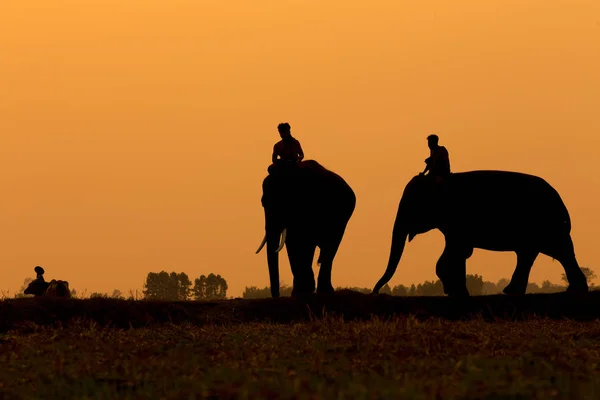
(420, 210)
(283, 192)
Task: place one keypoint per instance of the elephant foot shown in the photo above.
(301, 294)
(514, 290)
(459, 293)
(577, 289)
(325, 289)
(302, 297)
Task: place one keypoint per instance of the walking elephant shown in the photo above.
(491, 210)
(307, 206)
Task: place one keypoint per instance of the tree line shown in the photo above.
(475, 284)
(178, 287)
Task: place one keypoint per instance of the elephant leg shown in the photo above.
(301, 253)
(520, 278)
(328, 249)
(564, 252)
(442, 270)
(326, 256)
(451, 268)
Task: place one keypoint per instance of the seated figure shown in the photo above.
(288, 151)
(438, 163)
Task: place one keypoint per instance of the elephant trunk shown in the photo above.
(398, 241)
(274, 245)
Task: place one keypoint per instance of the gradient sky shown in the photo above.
(134, 135)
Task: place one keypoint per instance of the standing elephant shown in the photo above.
(491, 210)
(306, 206)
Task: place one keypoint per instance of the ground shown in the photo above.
(347, 346)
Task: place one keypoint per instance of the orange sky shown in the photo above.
(135, 134)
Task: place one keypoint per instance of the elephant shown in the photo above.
(306, 206)
(491, 210)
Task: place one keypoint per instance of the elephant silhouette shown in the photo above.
(491, 210)
(306, 206)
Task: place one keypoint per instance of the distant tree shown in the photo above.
(98, 295)
(165, 286)
(429, 288)
(211, 287)
(116, 294)
(533, 287)
(549, 287)
(183, 285)
(384, 290)
(413, 290)
(357, 289)
(400, 290)
(254, 292)
(589, 276)
(475, 284)
(502, 283)
(490, 288)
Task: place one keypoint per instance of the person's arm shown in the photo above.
(428, 164)
(274, 155)
(300, 153)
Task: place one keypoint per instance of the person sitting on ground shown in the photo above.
(438, 163)
(288, 149)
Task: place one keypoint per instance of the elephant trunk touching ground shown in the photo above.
(399, 236)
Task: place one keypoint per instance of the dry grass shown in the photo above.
(218, 352)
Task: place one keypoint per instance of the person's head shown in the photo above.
(284, 130)
(432, 141)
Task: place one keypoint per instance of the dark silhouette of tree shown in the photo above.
(589, 276)
(490, 288)
(502, 283)
(211, 287)
(116, 294)
(254, 292)
(399, 290)
(475, 284)
(183, 285)
(429, 288)
(413, 290)
(386, 289)
(533, 287)
(355, 289)
(165, 286)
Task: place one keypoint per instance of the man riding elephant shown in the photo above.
(288, 151)
(438, 163)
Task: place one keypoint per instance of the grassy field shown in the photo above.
(347, 346)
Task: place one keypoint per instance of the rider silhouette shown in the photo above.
(288, 149)
(438, 163)
(287, 152)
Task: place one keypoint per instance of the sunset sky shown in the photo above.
(134, 135)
